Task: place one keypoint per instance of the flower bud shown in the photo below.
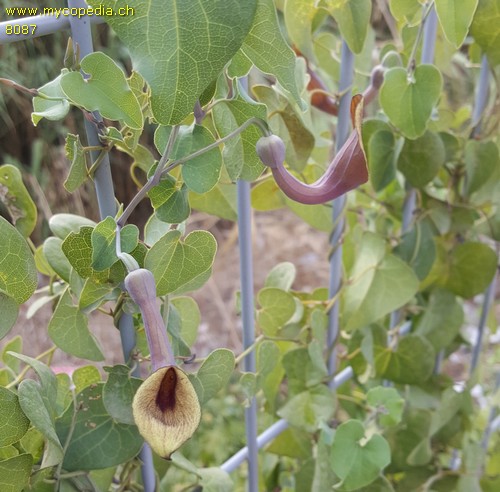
(166, 410)
(271, 150)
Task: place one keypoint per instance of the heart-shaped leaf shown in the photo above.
(411, 363)
(455, 18)
(421, 159)
(180, 46)
(356, 460)
(277, 307)
(379, 284)
(180, 266)
(409, 101)
(111, 442)
(213, 375)
(106, 91)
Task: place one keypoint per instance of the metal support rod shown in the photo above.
(482, 93)
(103, 181)
(489, 296)
(346, 79)
(247, 315)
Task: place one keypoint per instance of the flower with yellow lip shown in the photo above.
(166, 410)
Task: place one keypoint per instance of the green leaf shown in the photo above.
(418, 249)
(15, 344)
(442, 319)
(485, 29)
(35, 400)
(411, 363)
(421, 159)
(268, 51)
(281, 276)
(239, 154)
(17, 200)
(481, 162)
(200, 173)
(50, 109)
(409, 102)
(379, 283)
(106, 90)
(104, 242)
(18, 276)
(287, 123)
(270, 371)
(213, 375)
(118, 393)
(388, 404)
(13, 423)
(276, 308)
(180, 266)
(9, 309)
(307, 410)
(356, 459)
(182, 325)
(15, 472)
(305, 368)
(62, 225)
(107, 443)
(93, 295)
(170, 203)
(455, 19)
(471, 267)
(299, 16)
(410, 442)
(353, 18)
(293, 442)
(77, 248)
(317, 216)
(52, 250)
(78, 168)
(215, 480)
(219, 201)
(85, 376)
(381, 154)
(68, 329)
(266, 195)
(47, 377)
(180, 47)
(406, 10)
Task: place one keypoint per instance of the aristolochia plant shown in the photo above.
(228, 90)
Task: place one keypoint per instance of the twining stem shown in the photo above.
(76, 408)
(245, 352)
(98, 161)
(161, 170)
(252, 121)
(412, 59)
(153, 181)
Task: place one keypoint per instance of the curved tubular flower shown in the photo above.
(347, 171)
(166, 410)
(141, 286)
